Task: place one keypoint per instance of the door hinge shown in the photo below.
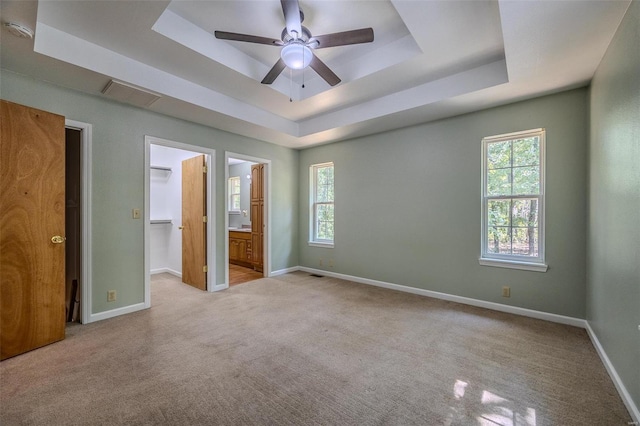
(205, 169)
(205, 268)
(204, 219)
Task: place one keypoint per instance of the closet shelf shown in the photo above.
(161, 168)
(160, 221)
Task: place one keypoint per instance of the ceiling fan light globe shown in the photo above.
(296, 56)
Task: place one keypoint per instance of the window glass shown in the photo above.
(234, 193)
(322, 203)
(513, 196)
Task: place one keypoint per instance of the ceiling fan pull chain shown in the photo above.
(302, 53)
(290, 85)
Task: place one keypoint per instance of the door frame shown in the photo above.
(86, 138)
(211, 213)
(266, 249)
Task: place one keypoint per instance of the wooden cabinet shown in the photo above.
(257, 215)
(240, 248)
(245, 248)
(257, 178)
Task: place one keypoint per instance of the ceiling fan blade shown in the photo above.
(223, 35)
(291, 10)
(323, 71)
(363, 35)
(274, 72)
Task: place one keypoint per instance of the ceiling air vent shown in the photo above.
(124, 92)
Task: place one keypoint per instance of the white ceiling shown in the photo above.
(429, 59)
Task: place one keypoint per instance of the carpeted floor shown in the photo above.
(299, 350)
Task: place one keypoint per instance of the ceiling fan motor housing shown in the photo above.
(305, 36)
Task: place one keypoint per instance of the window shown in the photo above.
(322, 204)
(513, 200)
(234, 194)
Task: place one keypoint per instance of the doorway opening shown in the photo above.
(246, 219)
(77, 222)
(73, 223)
(179, 219)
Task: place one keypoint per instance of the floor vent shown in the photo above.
(317, 276)
(124, 92)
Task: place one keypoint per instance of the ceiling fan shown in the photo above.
(298, 44)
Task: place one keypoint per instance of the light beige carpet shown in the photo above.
(299, 350)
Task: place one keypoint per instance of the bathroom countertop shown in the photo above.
(240, 229)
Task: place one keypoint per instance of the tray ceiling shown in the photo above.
(429, 59)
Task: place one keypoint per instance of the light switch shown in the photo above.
(135, 213)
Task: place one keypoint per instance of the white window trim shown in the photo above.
(312, 211)
(512, 264)
(320, 244)
(229, 203)
(514, 261)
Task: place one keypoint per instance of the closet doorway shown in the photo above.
(73, 224)
(247, 237)
(78, 136)
(179, 218)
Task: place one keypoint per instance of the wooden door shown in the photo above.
(194, 225)
(32, 224)
(257, 216)
(194, 222)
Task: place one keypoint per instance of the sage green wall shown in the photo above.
(613, 274)
(118, 181)
(408, 206)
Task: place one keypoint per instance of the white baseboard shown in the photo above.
(219, 287)
(622, 390)
(561, 319)
(116, 312)
(165, 270)
(284, 271)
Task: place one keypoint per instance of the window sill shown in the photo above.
(319, 244)
(525, 266)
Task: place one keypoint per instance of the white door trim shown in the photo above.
(266, 249)
(211, 213)
(86, 137)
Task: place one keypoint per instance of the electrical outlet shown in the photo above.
(111, 296)
(321, 262)
(506, 291)
(330, 263)
(135, 213)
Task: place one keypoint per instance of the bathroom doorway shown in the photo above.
(246, 213)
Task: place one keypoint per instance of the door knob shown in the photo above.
(180, 227)
(57, 239)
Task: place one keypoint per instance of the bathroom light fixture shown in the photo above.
(296, 55)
